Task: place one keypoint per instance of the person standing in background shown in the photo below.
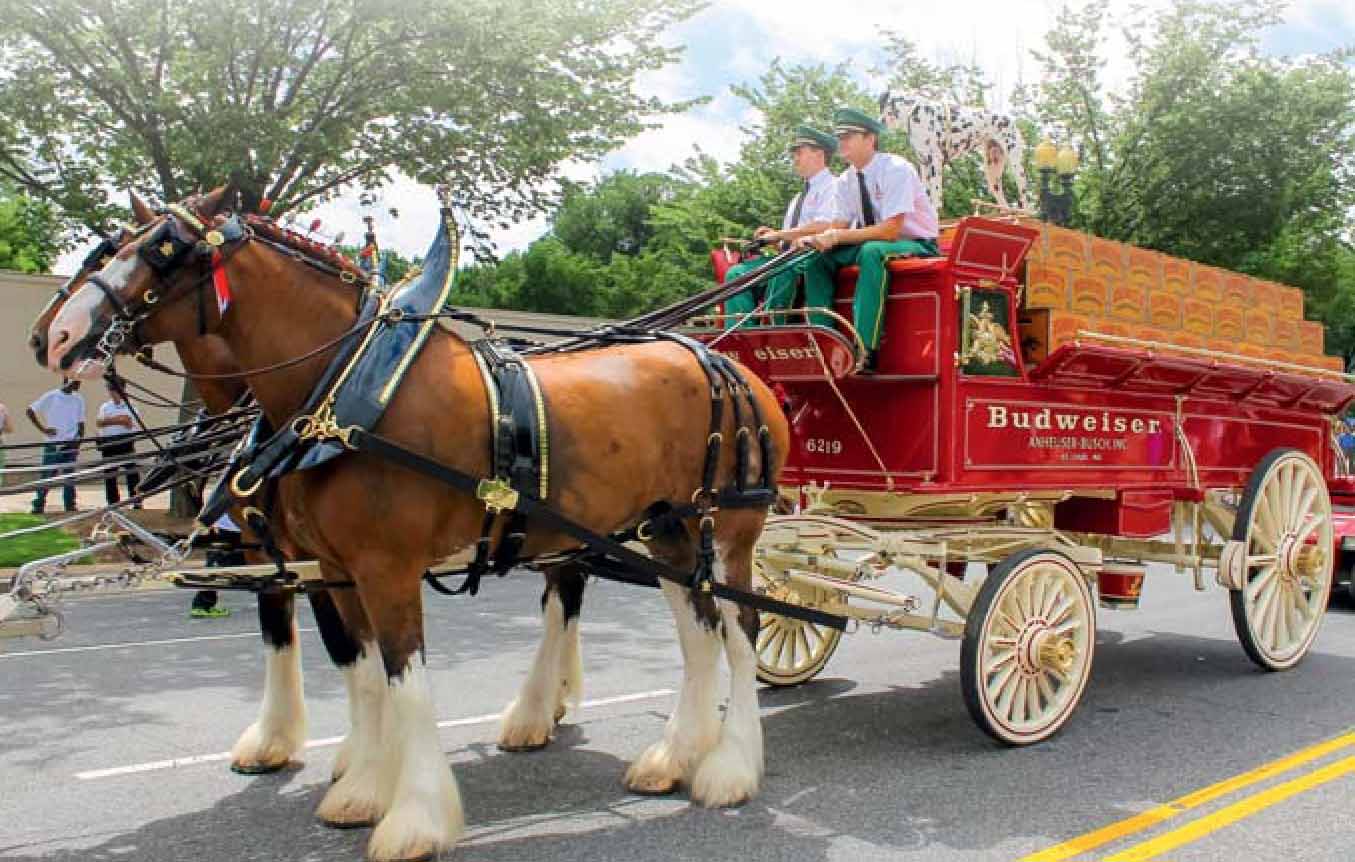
(6, 427)
(116, 425)
(59, 414)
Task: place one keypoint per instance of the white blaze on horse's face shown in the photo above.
(78, 316)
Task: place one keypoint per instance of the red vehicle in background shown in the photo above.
(1063, 465)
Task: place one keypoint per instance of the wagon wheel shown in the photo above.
(790, 651)
(1284, 526)
(1027, 651)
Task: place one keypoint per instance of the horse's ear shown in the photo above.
(141, 213)
(215, 201)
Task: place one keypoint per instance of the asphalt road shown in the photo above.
(877, 759)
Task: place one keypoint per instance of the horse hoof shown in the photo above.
(518, 747)
(725, 779)
(242, 768)
(353, 812)
(653, 786)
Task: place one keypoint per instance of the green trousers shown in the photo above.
(820, 272)
(779, 290)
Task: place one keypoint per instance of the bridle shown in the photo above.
(182, 239)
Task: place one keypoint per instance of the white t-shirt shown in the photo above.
(226, 523)
(894, 188)
(823, 203)
(110, 409)
(61, 411)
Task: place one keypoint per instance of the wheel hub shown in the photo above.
(1298, 560)
(1039, 648)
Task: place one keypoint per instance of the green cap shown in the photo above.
(851, 120)
(808, 136)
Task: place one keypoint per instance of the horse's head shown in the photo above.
(100, 255)
(134, 300)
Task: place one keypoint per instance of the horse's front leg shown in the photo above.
(425, 815)
(360, 794)
(279, 732)
(556, 678)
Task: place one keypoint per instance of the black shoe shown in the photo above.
(37, 510)
(872, 363)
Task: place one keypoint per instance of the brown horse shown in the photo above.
(279, 732)
(628, 429)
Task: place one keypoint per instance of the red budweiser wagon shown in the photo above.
(1064, 468)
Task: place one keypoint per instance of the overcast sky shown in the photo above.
(733, 41)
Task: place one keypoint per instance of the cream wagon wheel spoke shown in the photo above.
(1284, 525)
(790, 651)
(1028, 643)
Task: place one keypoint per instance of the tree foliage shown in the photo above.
(1216, 152)
(28, 233)
(295, 101)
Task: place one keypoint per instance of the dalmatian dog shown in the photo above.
(939, 133)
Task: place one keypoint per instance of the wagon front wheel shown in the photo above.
(791, 651)
(1284, 534)
(1027, 651)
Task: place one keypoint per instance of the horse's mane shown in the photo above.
(290, 239)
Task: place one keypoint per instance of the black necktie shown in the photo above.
(867, 211)
(799, 205)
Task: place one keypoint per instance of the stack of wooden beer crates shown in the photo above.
(1075, 282)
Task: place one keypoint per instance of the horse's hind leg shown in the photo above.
(279, 732)
(731, 773)
(556, 677)
(694, 726)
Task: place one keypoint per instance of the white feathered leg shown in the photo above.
(731, 773)
(360, 793)
(530, 718)
(279, 732)
(694, 727)
(425, 815)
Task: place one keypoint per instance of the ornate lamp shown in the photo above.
(1056, 206)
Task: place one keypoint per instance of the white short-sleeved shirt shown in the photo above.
(62, 411)
(110, 409)
(225, 523)
(823, 204)
(894, 188)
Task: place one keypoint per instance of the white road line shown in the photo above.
(194, 760)
(97, 647)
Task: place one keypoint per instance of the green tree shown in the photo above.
(1216, 152)
(297, 101)
(611, 216)
(29, 233)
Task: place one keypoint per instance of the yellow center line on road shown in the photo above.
(1246, 807)
(1162, 813)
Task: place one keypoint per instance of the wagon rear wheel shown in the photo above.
(1284, 525)
(789, 651)
(1027, 651)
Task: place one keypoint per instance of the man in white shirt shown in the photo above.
(816, 208)
(891, 217)
(60, 415)
(116, 425)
